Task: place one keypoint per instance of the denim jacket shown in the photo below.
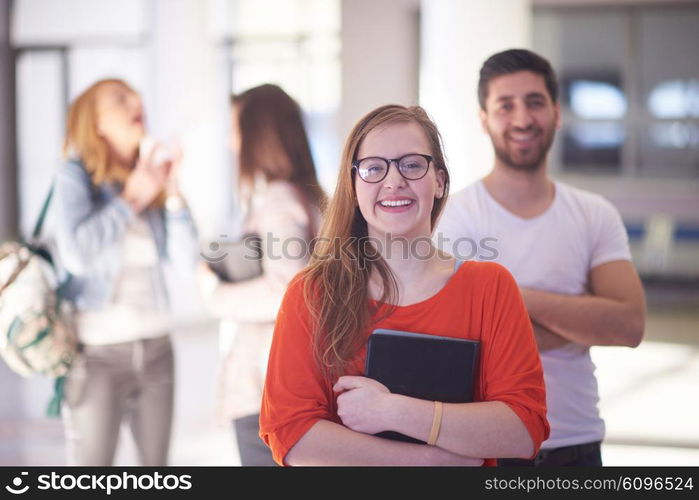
(90, 223)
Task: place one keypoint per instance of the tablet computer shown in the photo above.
(423, 366)
(237, 261)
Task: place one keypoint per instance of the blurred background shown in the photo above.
(629, 77)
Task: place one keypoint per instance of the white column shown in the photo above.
(379, 57)
(189, 93)
(189, 98)
(457, 36)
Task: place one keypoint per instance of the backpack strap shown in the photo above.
(54, 407)
(42, 215)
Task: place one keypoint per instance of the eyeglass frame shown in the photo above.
(355, 166)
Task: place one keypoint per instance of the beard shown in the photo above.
(531, 160)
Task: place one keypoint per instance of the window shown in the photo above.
(298, 49)
(60, 49)
(629, 82)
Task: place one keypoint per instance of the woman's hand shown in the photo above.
(173, 160)
(146, 181)
(364, 405)
(207, 280)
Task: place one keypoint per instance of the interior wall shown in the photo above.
(380, 60)
(457, 37)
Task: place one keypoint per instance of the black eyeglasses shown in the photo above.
(413, 166)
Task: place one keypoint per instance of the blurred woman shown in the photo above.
(122, 231)
(281, 198)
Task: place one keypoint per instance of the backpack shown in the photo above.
(37, 332)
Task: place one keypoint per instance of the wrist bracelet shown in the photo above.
(436, 423)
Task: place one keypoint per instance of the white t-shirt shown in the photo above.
(138, 309)
(552, 252)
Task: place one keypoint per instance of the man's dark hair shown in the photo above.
(512, 61)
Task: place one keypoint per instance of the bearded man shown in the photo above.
(567, 249)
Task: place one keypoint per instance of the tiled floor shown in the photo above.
(198, 438)
(650, 395)
(648, 399)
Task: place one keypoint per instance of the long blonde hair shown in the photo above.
(82, 139)
(336, 282)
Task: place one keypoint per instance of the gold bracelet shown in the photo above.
(436, 423)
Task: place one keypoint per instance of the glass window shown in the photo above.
(669, 81)
(596, 100)
(62, 47)
(587, 49)
(86, 65)
(629, 82)
(41, 111)
(298, 49)
(674, 99)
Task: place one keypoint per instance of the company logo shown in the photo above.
(214, 248)
(17, 483)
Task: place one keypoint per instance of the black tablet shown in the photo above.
(235, 261)
(423, 366)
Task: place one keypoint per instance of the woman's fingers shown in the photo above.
(349, 382)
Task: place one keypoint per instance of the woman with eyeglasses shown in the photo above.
(318, 408)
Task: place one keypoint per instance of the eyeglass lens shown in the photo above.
(374, 169)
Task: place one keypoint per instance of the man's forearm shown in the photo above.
(586, 319)
(546, 340)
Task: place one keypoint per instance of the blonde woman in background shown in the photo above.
(121, 244)
(281, 198)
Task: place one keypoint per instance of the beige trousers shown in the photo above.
(108, 384)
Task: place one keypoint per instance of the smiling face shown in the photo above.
(120, 120)
(395, 205)
(521, 119)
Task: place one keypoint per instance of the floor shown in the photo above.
(198, 437)
(648, 398)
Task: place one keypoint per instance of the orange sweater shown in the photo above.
(480, 302)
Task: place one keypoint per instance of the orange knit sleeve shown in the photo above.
(296, 395)
(512, 371)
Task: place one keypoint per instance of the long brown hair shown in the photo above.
(336, 285)
(274, 142)
(83, 140)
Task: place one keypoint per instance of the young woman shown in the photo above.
(120, 243)
(281, 199)
(318, 409)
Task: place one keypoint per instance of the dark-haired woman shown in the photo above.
(281, 200)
